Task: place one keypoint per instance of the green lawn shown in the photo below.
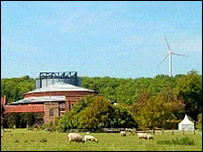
(26, 140)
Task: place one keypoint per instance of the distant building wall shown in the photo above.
(59, 93)
(71, 100)
(3, 100)
(24, 108)
(51, 111)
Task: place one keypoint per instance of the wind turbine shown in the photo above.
(170, 53)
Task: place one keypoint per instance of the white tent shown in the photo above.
(186, 124)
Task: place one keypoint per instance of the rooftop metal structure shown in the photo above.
(47, 78)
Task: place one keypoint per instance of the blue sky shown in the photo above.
(116, 39)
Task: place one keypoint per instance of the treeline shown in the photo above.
(182, 93)
(187, 88)
(14, 88)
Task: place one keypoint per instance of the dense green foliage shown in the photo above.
(199, 123)
(189, 87)
(22, 120)
(14, 88)
(157, 111)
(127, 90)
(94, 112)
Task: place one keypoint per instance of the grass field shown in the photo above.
(27, 140)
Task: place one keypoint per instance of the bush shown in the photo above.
(21, 120)
(11, 119)
(30, 119)
(49, 126)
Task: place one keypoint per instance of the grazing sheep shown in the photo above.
(123, 133)
(129, 130)
(150, 137)
(75, 137)
(5, 130)
(90, 138)
(142, 135)
(87, 133)
(48, 129)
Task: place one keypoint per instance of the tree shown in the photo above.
(189, 88)
(97, 114)
(15, 88)
(158, 110)
(199, 122)
(94, 112)
(122, 118)
(141, 101)
(154, 113)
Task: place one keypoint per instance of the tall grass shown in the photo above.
(178, 141)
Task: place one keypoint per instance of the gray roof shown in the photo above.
(40, 99)
(60, 86)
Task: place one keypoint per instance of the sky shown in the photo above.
(122, 39)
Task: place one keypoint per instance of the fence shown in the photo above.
(130, 130)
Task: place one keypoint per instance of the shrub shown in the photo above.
(49, 126)
(21, 120)
(182, 141)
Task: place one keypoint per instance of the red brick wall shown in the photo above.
(47, 107)
(3, 101)
(24, 108)
(59, 93)
(72, 100)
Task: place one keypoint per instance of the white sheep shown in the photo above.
(90, 138)
(75, 137)
(150, 137)
(142, 135)
(87, 133)
(123, 133)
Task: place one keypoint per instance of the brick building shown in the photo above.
(51, 100)
(3, 102)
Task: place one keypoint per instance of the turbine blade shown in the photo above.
(167, 43)
(163, 60)
(179, 54)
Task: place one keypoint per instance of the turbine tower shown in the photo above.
(170, 53)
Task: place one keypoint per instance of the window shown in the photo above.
(51, 112)
(71, 105)
(62, 106)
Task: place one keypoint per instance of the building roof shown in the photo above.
(39, 99)
(186, 121)
(60, 86)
